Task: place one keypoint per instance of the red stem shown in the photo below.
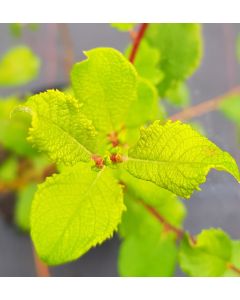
(178, 231)
(204, 107)
(137, 41)
(42, 270)
(233, 268)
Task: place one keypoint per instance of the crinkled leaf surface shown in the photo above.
(147, 62)
(106, 83)
(180, 47)
(177, 158)
(18, 66)
(209, 256)
(75, 211)
(59, 127)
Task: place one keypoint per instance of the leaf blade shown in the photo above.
(59, 127)
(176, 157)
(106, 83)
(72, 213)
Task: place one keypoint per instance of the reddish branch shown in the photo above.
(167, 226)
(178, 231)
(137, 41)
(204, 107)
(41, 269)
(233, 268)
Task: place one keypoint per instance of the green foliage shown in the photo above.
(145, 107)
(210, 255)
(16, 29)
(18, 66)
(14, 130)
(149, 254)
(178, 95)
(59, 128)
(8, 170)
(91, 132)
(180, 47)
(165, 202)
(106, 83)
(230, 107)
(123, 26)
(147, 61)
(84, 210)
(23, 206)
(235, 260)
(148, 249)
(176, 157)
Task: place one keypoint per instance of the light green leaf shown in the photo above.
(13, 132)
(142, 111)
(180, 47)
(75, 211)
(146, 249)
(8, 170)
(16, 29)
(235, 260)
(150, 255)
(177, 158)
(178, 95)
(147, 62)
(59, 127)
(145, 108)
(165, 202)
(123, 26)
(18, 66)
(23, 206)
(209, 256)
(230, 107)
(106, 83)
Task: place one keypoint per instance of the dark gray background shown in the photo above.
(217, 205)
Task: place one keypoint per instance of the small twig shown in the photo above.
(137, 41)
(42, 270)
(68, 45)
(233, 268)
(204, 107)
(178, 231)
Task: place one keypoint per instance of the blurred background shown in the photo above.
(218, 205)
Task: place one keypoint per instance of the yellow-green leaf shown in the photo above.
(59, 127)
(74, 211)
(106, 83)
(177, 158)
(18, 66)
